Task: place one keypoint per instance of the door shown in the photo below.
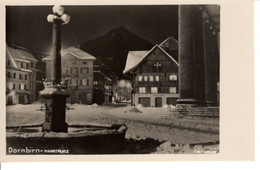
(21, 99)
(9, 100)
(158, 102)
(171, 101)
(145, 101)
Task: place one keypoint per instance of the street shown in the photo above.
(156, 129)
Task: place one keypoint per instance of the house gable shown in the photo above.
(69, 56)
(157, 58)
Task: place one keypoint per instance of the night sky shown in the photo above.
(27, 26)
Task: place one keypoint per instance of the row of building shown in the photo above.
(86, 83)
(154, 76)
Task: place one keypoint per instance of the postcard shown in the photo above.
(127, 81)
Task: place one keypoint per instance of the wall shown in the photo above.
(15, 93)
(153, 96)
(70, 61)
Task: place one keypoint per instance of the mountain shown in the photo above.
(112, 48)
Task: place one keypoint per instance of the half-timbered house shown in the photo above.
(154, 75)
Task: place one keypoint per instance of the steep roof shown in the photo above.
(75, 52)
(102, 74)
(15, 55)
(21, 53)
(11, 58)
(134, 58)
(171, 43)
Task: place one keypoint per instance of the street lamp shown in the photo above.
(58, 18)
(53, 94)
(58, 13)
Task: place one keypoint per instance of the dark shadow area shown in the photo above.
(142, 146)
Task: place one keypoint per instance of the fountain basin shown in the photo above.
(80, 139)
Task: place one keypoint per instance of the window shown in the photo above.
(87, 82)
(140, 78)
(84, 62)
(84, 82)
(25, 87)
(9, 75)
(142, 90)
(84, 70)
(79, 97)
(154, 90)
(64, 70)
(25, 77)
(14, 75)
(87, 70)
(32, 65)
(27, 65)
(14, 86)
(19, 86)
(8, 62)
(172, 90)
(22, 86)
(74, 81)
(157, 78)
(173, 77)
(151, 78)
(145, 78)
(74, 70)
(21, 65)
(20, 77)
(69, 70)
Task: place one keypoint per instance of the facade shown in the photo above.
(102, 92)
(77, 70)
(154, 75)
(20, 75)
(42, 71)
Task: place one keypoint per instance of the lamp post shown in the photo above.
(57, 18)
(53, 94)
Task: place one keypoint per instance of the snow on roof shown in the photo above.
(75, 52)
(134, 60)
(21, 53)
(26, 70)
(16, 54)
(11, 58)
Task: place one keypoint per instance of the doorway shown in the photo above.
(158, 102)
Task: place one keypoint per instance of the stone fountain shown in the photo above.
(55, 136)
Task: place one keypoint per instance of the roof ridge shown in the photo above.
(170, 37)
(142, 58)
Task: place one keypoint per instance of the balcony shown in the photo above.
(156, 83)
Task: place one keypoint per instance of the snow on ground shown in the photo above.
(170, 133)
